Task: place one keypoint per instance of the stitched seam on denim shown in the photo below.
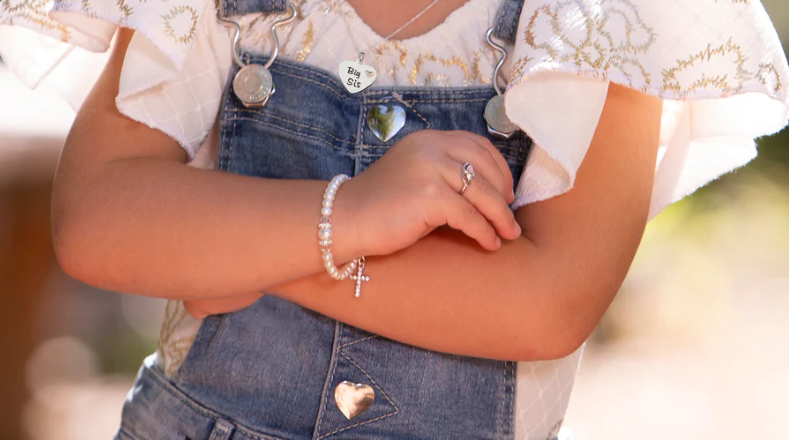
(397, 410)
(358, 146)
(279, 127)
(416, 90)
(299, 125)
(220, 431)
(316, 83)
(358, 341)
(325, 396)
(399, 98)
(511, 400)
(501, 17)
(415, 101)
(131, 433)
(230, 147)
(173, 391)
(499, 429)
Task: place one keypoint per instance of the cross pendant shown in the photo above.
(359, 277)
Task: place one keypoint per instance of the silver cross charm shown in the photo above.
(359, 277)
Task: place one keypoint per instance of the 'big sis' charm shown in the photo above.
(357, 76)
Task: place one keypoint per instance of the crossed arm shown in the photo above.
(126, 211)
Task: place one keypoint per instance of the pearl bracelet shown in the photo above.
(325, 239)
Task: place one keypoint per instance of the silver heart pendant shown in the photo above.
(385, 121)
(356, 76)
(353, 398)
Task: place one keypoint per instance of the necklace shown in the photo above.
(357, 76)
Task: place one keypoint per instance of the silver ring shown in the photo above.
(467, 176)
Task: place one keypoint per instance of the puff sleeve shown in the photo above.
(175, 67)
(717, 64)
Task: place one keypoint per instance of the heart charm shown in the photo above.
(353, 398)
(356, 76)
(385, 121)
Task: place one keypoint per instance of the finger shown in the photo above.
(483, 164)
(463, 216)
(494, 152)
(496, 155)
(490, 203)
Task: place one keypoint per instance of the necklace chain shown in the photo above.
(415, 18)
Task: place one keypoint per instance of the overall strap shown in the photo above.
(507, 20)
(241, 7)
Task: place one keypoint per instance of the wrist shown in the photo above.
(345, 243)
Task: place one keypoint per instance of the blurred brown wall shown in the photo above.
(26, 258)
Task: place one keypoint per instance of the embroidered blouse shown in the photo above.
(718, 65)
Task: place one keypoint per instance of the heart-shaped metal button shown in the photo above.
(353, 398)
(385, 121)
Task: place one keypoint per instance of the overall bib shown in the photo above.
(270, 371)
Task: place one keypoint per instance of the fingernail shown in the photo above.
(498, 242)
(518, 229)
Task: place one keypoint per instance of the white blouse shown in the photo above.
(718, 65)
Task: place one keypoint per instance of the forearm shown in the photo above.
(447, 294)
(159, 228)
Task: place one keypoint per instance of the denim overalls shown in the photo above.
(270, 371)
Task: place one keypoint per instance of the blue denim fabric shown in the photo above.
(269, 371)
(240, 7)
(507, 20)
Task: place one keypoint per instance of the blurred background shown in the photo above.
(696, 345)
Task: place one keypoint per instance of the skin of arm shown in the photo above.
(537, 297)
(126, 209)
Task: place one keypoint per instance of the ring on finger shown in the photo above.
(467, 176)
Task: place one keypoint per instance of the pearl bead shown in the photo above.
(332, 270)
(326, 211)
(330, 196)
(328, 203)
(324, 234)
(327, 256)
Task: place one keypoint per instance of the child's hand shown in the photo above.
(415, 188)
(199, 309)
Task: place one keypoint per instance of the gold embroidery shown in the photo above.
(439, 79)
(124, 8)
(175, 12)
(33, 12)
(697, 75)
(173, 351)
(309, 38)
(768, 76)
(604, 38)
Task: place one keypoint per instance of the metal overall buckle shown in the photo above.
(499, 124)
(253, 84)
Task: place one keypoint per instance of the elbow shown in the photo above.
(559, 344)
(556, 332)
(71, 249)
(65, 247)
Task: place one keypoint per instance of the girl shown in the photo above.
(483, 246)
